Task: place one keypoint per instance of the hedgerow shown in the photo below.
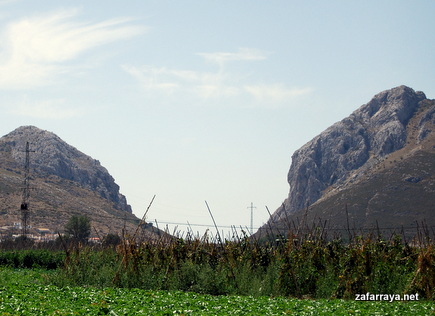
(298, 267)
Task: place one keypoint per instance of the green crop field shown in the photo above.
(307, 275)
(26, 292)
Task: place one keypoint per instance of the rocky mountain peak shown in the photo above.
(51, 156)
(398, 103)
(349, 147)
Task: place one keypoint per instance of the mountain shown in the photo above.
(375, 167)
(63, 182)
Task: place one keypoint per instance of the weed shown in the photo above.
(303, 265)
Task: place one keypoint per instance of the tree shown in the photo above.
(78, 228)
(111, 240)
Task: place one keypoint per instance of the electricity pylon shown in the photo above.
(26, 194)
(252, 217)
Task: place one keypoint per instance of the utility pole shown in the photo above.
(252, 217)
(26, 194)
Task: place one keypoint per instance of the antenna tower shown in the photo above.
(26, 194)
(252, 217)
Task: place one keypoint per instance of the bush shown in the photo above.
(29, 259)
(309, 267)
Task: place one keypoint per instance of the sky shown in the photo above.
(196, 101)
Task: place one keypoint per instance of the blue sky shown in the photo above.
(204, 100)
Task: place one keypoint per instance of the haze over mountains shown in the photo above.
(64, 182)
(375, 167)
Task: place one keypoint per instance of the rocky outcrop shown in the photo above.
(51, 156)
(348, 148)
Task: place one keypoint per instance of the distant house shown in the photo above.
(43, 231)
(94, 240)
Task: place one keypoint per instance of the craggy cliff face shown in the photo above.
(52, 156)
(346, 149)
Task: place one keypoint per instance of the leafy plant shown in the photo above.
(25, 292)
(302, 266)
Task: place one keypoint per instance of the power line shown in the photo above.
(198, 225)
(326, 229)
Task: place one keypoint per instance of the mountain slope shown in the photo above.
(63, 181)
(377, 163)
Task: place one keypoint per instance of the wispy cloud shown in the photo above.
(198, 84)
(47, 109)
(243, 54)
(274, 92)
(219, 84)
(34, 51)
(153, 78)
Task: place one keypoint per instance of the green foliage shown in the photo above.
(302, 268)
(29, 259)
(111, 240)
(311, 268)
(25, 292)
(78, 228)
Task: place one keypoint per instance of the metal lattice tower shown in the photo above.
(26, 194)
(252, 217)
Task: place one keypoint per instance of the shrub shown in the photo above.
(299, 267)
